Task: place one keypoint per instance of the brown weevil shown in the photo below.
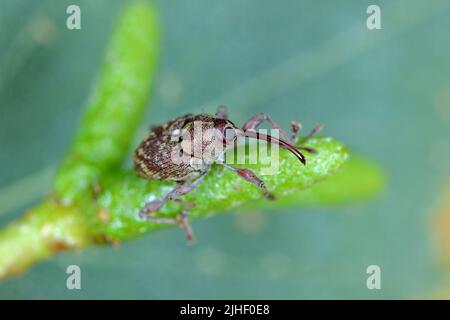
(176, 151)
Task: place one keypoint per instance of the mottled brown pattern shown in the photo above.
(153, 157)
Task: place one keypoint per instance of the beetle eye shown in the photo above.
(229, 133)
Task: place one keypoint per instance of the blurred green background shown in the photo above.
(385, 93)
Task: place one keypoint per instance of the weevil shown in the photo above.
(187, 138)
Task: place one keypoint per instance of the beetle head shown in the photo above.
(229, 133)
(207, 138)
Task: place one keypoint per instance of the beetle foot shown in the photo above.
(269, 196)
(183, 221)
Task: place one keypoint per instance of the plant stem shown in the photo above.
(117, 103)
(47, 229)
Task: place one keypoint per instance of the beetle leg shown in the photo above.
(222, 113)
(317, 128)
(182, 219)
(254, 122)
(179, 190)
(296, 126)
(251, 177)
(161, 220)
(303, 140)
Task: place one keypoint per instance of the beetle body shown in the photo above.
(183, 149)
(154, 157)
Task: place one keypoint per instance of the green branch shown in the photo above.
(117, 104)
(96, 201)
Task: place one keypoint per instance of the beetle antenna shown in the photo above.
(281, 143)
